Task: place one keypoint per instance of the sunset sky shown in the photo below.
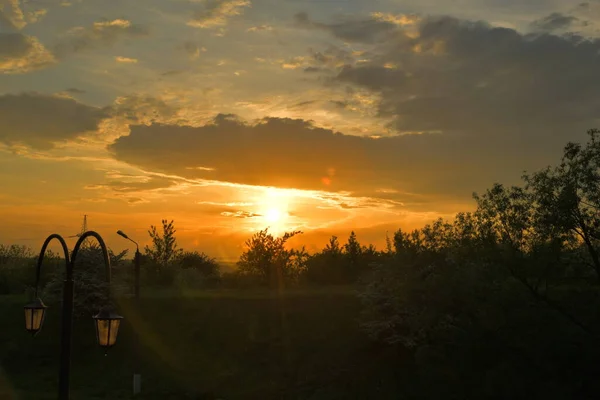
(229, 116)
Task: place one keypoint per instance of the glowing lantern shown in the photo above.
(35, 313)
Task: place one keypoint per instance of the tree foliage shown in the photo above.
(89, 275)
(164, 247)
(160, 259)
(341, 264)
(17, 268)
(501, 294)
(197, 270)
(267, 260)
(327, 266)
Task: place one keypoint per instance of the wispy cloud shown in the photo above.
(216, 13)
(260, 28)
(20, 54)
(13, 14)
(126, 60)
(240, 214)
(555, 22)
(355, 29)
(193, 49)
(101, 33)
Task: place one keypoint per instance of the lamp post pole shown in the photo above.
(137, 376)
(67, 307)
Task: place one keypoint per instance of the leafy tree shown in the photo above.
(353, 256)
(17, 268)
(197, 270)
(164, 245)
(162, 254)
(14, 252)
(15, 262)
(567, 197)
(352, 248)
(89, 275)
(328, 265)
(333, 247)
(269, 262)
(497, 295)
(200, 262)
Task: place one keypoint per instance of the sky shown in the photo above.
(325, 116)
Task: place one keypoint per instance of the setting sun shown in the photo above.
(274, 211)
(274, 215)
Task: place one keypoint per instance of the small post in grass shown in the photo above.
(137, 376)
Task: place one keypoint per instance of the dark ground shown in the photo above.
(221, 345)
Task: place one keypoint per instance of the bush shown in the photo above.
(90, 286)
(193, 279)
(17, 268)
(235, 280)
(155, 274)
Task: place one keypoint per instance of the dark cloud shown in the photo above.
(139, 109)
(21, 54)
(75, 91)
(100, 34)
(40, 121)
(483, 93)
(466, 77)
(302, 104)
(471, 104)
(313, 69)
(339, 103)
(331, 57)
(480, 79)
(350, 29)
(328, 60)
(193, 49)
(173, 72)
(554, 22)
(294, 153)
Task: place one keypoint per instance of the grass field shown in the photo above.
(202, 345)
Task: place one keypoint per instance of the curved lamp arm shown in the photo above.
(43, 252)
(105, 255)
(121, 233)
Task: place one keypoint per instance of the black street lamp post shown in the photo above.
(106, 321)
(137, 376)
(136, 262)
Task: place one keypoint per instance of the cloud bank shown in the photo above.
(40, 121)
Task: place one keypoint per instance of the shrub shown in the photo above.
(89, 281)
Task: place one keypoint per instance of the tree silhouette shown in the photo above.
(503, 293)
(164, 245)
(327, 266)
(267, 260)
(162, 254)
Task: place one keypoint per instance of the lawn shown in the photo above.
(203, 345)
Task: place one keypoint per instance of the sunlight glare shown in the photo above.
(274, 211)
(273, 215)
